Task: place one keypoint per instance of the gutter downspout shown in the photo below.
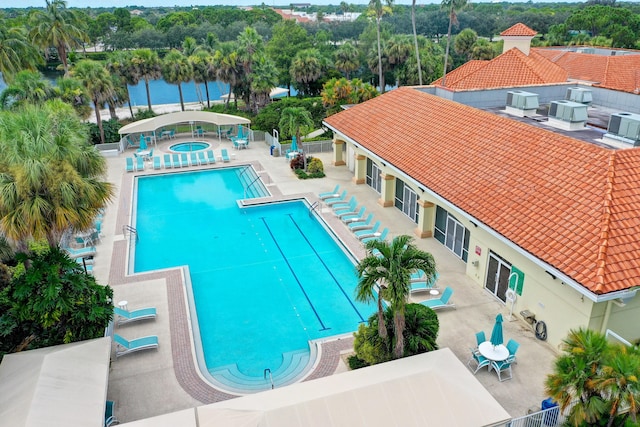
(624, 294)
(607, 314)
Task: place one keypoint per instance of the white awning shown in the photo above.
(276, 91)
(158, 122)
(430, 389)
(63, 385)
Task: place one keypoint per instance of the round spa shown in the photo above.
(186, 147)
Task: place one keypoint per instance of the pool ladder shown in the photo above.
(313, 207)
(130, 231)
(250, 185)
(268, 371)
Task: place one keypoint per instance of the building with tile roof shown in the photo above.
(551, 213)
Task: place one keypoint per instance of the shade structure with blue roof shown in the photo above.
(496, 334)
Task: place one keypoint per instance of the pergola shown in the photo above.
(152, 124)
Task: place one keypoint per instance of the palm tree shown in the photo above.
(454, 6)
(397, 50)
(120, 63)
(378, 10)
(99, 86)
(50, 177)
(27, 87)
(58, 27)
(176, 69)
(73, 92)
(571, 383)
(265, 78)
(226, 61)
(16, 53)
(347, 58)
(148, 67)
(307, 67)
(294, 121)
(387, 268)
(204, 69)
(415, 39)
(250, 44)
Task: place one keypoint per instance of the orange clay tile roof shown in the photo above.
(519, 29)
(620, 73)
(569, 203)
(512, 68)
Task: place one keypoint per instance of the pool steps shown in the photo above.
(246, 176)
(294, 365)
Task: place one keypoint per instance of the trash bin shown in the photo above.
(272, 148)
(550, 417)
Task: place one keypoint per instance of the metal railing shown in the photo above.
(268, 371)
(550, 417)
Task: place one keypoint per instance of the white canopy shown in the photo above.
(154, 123)
(63, 385)
(430, 389)
(276, 91)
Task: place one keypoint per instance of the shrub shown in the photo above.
(314, 165)
(356, 363)
(269, 117)
(143, 114)
(421, 331)
(111, 128)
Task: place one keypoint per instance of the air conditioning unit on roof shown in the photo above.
(567, 115)
(520, 103)
(578, 94)
(624, 127)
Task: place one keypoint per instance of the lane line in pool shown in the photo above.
(324, 328)
(326, 268)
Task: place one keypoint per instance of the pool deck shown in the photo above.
(156, 382)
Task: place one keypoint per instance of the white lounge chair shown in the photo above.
(125, 347)
(125, 316)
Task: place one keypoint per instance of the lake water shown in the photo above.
(165, 93)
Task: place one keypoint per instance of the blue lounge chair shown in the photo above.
(376, 236)
(194, 159)
(139, 163)
(361, 225)
(144, 343)
(175, 160)
(81, 253)
(125, 316)
(354, 217)
(184, 160)
(225, 155)
(167, 161)
(130, 143)
(129, 167)
(211, 157)
(367, 232)
(329, 194)
(424, 285)
(443, 302)
(351, 205)
(87, 265)
(109, 414)
(334, 200)
(156, 162)
(201, 158)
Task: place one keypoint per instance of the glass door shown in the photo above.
(498, 272)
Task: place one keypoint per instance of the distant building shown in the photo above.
(299, 17)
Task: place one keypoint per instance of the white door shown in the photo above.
(454, 239)
(376, 179)
(351, 158)
(410, 203)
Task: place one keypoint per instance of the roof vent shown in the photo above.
(567, 115)
(520, 103)
(624, 127)
(578, 94)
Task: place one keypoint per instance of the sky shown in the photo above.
(182, 3)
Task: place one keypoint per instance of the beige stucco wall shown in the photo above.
(560, 306)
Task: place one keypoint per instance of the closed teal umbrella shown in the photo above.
(240, 132)
(143, 142)
(496, 333)
(294, 145)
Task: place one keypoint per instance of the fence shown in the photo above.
(550, 417)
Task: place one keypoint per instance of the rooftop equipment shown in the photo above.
(624, 127)
(568, 115)
(520, 103)
(578, 94)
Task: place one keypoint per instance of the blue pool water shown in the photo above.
(185, 147)
(266, 279)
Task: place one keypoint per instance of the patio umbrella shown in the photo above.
(143, 142)
(496, 333)
(240, 132)
(294, 144)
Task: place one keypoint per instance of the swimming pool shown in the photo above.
(186, 147)
(266, 279)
